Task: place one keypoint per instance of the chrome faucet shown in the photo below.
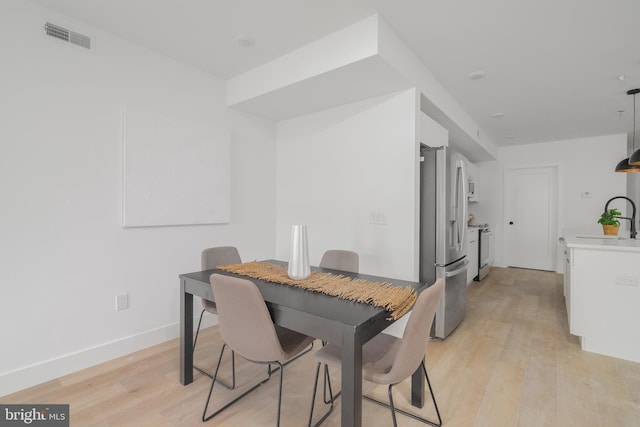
(633, 214)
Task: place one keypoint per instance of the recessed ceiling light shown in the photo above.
(497, 115)
(244, 40)
(511, 137)
(478, 74)
(621, 77)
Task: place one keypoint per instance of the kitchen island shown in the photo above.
(602, 293)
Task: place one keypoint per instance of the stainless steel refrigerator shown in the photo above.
(443, 227)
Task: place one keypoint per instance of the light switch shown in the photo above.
(627, 280)
(122, 302)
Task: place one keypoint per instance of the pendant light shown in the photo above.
(631, 164)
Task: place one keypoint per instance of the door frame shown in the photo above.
(554, 209)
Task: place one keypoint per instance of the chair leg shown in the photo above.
(324, 384)
(233, 373)
(206, 417)
(202, 371)
(408, 414)
(327, 380)
(213, 383)
(313, 399)
(389, 405)
(280, 392)
(198, 330)
(313, 395)
(393, 408)
(433, 396)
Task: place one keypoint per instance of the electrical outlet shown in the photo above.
(377, 218)
(122, 302)
(627, 280)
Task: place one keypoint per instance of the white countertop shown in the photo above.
(595, 239)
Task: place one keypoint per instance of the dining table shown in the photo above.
(331, 319)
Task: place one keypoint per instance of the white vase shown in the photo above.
(299, 268)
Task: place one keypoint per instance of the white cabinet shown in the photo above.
(472, 254)
(567, 258)
(602, 292)
(570, 294)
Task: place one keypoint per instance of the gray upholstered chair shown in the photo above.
(246, 326)
(389, 360)
(210, 259)
(336, 259)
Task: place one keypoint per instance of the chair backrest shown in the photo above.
(244, 320)
(413, 344)
(213, 257)
(340, 260)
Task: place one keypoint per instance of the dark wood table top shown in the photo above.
(314, 303)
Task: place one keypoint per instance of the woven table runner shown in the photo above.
(397, 300)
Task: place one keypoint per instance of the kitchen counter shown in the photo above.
(594, 239)
(602, 292)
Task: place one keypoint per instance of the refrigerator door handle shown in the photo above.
(461, 214)
(465, 203)
(458, 270)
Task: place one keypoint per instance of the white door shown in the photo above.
(531, 217)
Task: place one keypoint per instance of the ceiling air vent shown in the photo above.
(64, 34)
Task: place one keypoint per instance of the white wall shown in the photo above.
(584, 164)
(353, 43)
(337, 167)
(463, 130)
(64, 255)
(363, 60)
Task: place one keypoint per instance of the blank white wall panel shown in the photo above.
(176, 172)
(338, 167)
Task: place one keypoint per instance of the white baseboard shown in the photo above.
(37, 373)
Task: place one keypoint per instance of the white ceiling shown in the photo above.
(551, 65)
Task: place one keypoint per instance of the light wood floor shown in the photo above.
(512, 362)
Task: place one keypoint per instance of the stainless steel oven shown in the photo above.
(485, 254)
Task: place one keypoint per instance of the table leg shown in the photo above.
(186, 335)
(417, 388)
(351, 379)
